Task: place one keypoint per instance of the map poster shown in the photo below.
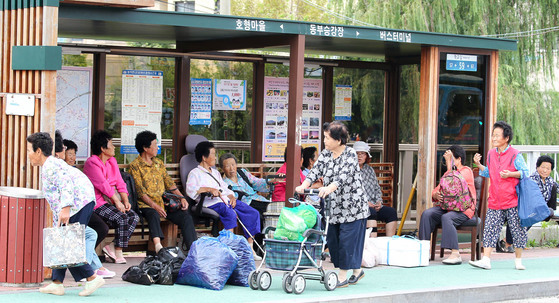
(73, 106)
(201, 101)
(229, 94)
(142, 104)
(276, 97)
(343, 103)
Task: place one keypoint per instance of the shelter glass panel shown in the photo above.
(367, 104)
(116, 64)
(462, 91)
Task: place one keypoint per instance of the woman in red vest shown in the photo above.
(504, 168)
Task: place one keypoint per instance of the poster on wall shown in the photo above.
(276, 97)
(73, 106)
(201, 101)
(342, 99)
(229, 94)
(142, 104)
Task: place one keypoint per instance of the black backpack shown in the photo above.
(133, 196)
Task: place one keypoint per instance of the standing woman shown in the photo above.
(505, 166)
(71, 198)
(339, 168)
(111, 194)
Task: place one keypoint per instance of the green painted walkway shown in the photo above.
(379, 280)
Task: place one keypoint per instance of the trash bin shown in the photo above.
(22, 219)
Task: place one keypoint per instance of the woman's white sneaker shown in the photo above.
(92, 286)
(53, 289)
(484, 263)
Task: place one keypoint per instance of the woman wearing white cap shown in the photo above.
(373, 192)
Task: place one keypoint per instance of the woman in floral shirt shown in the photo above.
(339, 168)
(71, 198)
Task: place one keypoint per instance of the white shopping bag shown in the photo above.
(371, 255)
(64, 246)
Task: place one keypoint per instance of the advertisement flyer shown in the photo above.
(276, 97)
(229, 94)
(201, 101)
(342, 101)
(142, 103)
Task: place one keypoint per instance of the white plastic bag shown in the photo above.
(371, 255)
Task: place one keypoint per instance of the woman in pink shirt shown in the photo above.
(111, 195)
(279, 190)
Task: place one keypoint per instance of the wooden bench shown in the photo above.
(141, 241)
(385, 176)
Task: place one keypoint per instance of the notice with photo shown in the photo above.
(229, 94)
(276, 98)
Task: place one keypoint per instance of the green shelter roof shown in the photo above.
(203, 32)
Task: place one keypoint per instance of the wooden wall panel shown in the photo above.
(428, 94)
(25, 26)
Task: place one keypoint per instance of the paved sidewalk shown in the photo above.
(435, 283)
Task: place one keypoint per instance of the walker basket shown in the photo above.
(283, 255)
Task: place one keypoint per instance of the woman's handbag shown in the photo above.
(171, 201)
(532, 207)
(64, 246)
(109, 200)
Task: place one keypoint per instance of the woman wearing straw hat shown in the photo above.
(372, 190)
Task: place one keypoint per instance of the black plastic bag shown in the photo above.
(167, 254)
(166, 274)
(137, 275)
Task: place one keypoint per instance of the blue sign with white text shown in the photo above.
(461, 62)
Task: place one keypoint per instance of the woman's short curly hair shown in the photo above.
(99, 140)
(337, 130)
(143, 140)
(203, 150)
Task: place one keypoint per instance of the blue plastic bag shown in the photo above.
(532, 207)
(209, 264)
(246, 260)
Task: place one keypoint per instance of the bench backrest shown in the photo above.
(385, 176)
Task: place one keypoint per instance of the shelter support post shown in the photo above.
(392, 123)
(428, 93)
(259, 73)
(295, 113)
(327, 94)
(99, 73)
(182, 106)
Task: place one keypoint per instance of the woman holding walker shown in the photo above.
(339, 167)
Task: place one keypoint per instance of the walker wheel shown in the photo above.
(264, 280)
(299, 284)
(286, 283)
(330, 280)
(252, 282)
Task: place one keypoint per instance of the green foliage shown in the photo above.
(75, 60)
(521, 101)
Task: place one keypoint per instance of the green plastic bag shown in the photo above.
(294, 221)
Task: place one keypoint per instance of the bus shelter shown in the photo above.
(458, 74)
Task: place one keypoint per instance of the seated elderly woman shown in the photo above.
(111, 194)
(71, 150)
(206, 179)
(152, 180)
(372, 190)
(548, 187)
(243, 181)
(279, 190)
(449, 219)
